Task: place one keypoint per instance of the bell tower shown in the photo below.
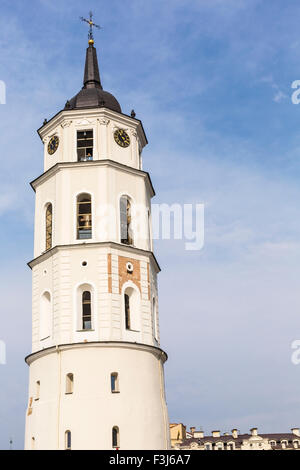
(96, 371)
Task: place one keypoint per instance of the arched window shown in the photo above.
(84, 217)
(154, 318)
(45, 316)
(69, 384)
(132, 309)
(49, 227)
(114, 381)
(115, 437)
(37, 391)
(68, 440)
(127, 311)
(149, 231)
(125, 221)
(32, 443)
(86, 311)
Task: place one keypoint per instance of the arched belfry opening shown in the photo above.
(49, 226)
(126, 222)
(84, 216)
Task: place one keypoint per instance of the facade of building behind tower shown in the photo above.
(181, 439)
(96, 377)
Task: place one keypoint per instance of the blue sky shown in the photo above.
(211, 81)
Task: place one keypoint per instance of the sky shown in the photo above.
(211, 81)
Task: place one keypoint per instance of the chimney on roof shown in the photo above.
(215, 433)
(199, 434)
(254, 432)
(192, 428)
(235, 433)
(296, 431)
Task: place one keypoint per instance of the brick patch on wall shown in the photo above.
(124, 276)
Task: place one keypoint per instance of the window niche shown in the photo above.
(45, 316)
(132, 308)
(85, 308)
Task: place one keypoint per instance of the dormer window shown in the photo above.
(85, 144)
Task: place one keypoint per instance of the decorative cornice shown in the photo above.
(158, 352)
(112, 245)
(97, 113)
(104, 121)
(66, 124)
(112, 163)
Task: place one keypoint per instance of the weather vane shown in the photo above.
(92, 25)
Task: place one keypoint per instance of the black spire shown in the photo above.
(92, 94)
(91, 71)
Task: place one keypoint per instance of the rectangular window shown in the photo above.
(114, 382)
(85, 145)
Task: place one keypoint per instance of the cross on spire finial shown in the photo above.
(92, 25)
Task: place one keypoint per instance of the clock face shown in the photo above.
(53, 145)
(122, 138)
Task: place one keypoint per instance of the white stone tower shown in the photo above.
(96, 367)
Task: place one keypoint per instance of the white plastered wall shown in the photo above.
(139, 409)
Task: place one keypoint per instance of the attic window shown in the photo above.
(85, 144)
